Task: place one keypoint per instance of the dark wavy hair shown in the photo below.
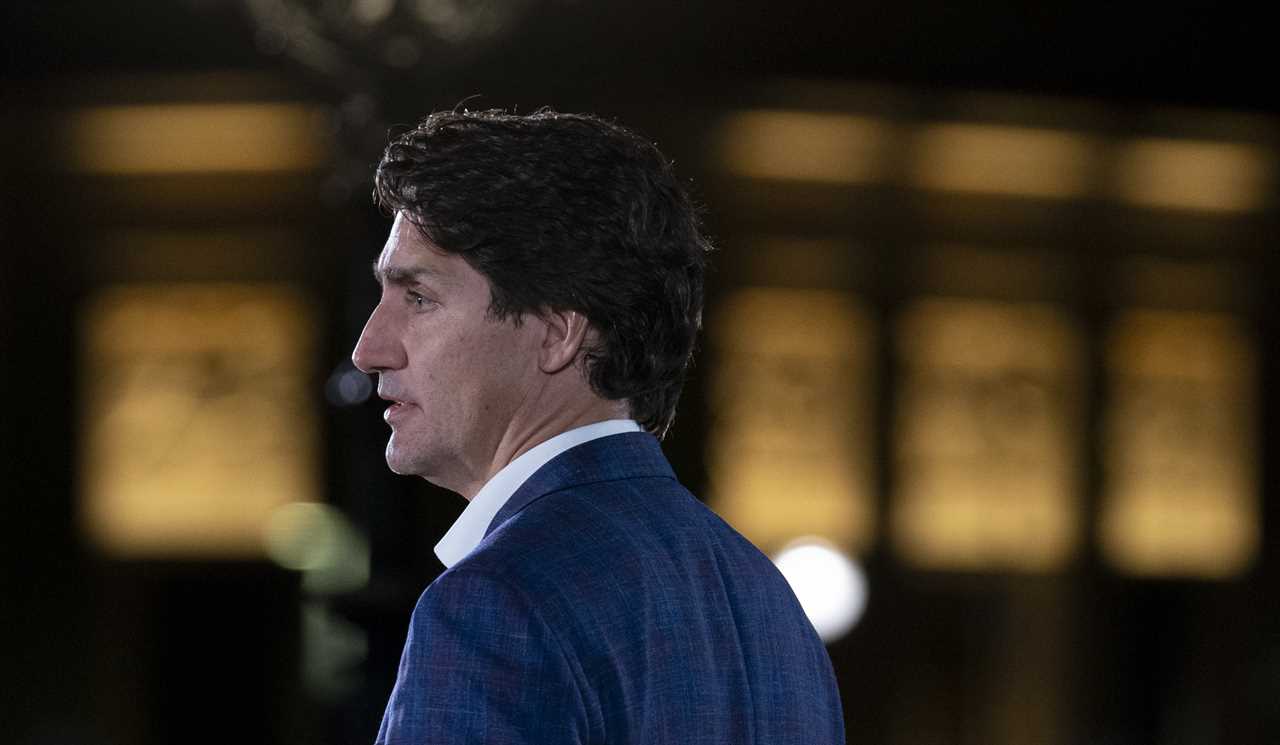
(567, 212)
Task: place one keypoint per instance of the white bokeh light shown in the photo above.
(830, 586)
(348, 386)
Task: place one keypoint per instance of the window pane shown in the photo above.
(1179, 447)
(789, 454)
(197, 416)
(985, 463)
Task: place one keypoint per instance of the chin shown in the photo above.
(398, 461)
(405, 460)
(396, 469)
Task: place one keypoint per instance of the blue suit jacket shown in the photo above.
(607, 605)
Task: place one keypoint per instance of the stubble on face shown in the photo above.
(461, 374)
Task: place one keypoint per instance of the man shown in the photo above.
(541, 294)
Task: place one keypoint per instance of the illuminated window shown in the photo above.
(1179, 449)
(805, 146)
(789, 455)
(197, 138)
(985, 436)
(1194, 175)
(992, 159)
(197, 416)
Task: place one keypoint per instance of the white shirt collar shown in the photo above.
(468, 530)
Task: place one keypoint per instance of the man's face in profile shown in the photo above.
(453, 374)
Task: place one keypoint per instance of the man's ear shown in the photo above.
(566, 331)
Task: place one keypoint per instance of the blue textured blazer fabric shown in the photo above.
(606, 604)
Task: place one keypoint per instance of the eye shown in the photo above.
(417, 300)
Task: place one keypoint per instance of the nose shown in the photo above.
(379, 347)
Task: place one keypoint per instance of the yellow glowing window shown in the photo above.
(1179, 447)
(790, 452)
(805, 146)
(196, 415)
(197, 138)
(985, 458)
(1194, 175)
(992, 159)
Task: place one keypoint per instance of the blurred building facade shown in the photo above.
(1009, 351)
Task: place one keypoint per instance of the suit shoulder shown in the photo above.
(615, 531)
(598, 512)
(466, 588)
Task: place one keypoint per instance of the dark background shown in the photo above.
(97, 650)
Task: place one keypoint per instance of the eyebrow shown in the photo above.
(404, 275)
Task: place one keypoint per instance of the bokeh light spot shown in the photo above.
(831, 587)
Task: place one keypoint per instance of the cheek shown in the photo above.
(481, 360)
(496, 345)
(505, 361)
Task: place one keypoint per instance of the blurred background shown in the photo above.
(988, 360)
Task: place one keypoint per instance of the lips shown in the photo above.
(396, 409)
